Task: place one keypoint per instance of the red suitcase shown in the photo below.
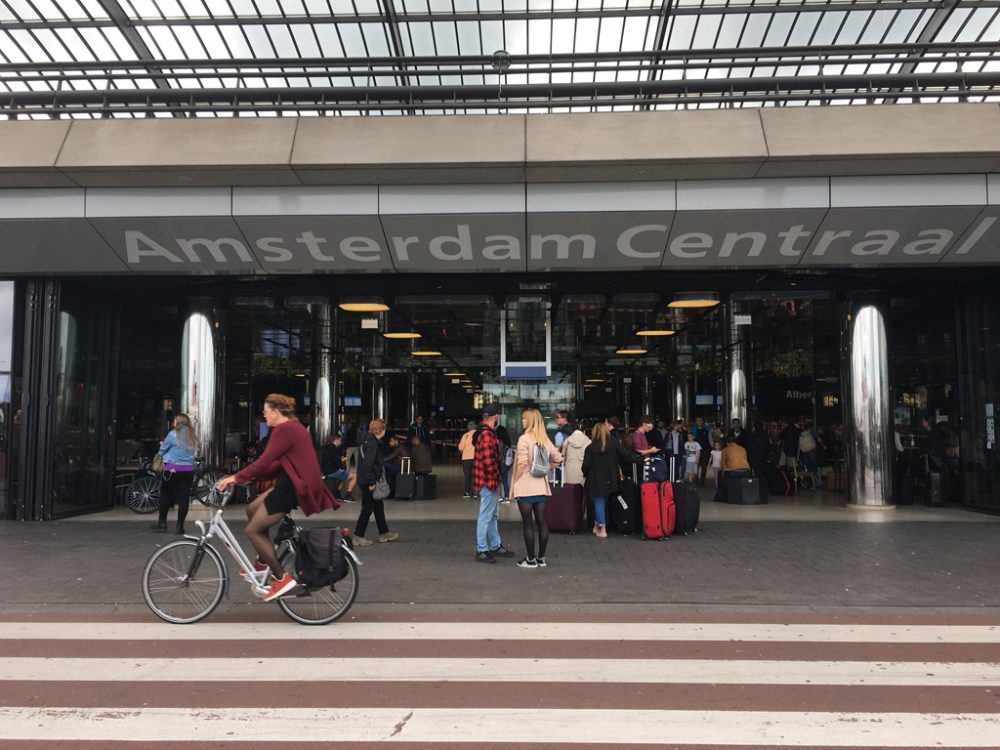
(658, 510)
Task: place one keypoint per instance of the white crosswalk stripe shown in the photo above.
(501, 683)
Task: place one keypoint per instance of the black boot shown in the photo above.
(180, 528)
(160, 525)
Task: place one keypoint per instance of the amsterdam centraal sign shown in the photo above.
(946, 219)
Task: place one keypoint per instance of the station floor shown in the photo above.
(804, 554)
(805, 506)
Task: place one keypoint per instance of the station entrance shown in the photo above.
(769, 350)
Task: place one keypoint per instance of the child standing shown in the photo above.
(717, 463)
(692, 452)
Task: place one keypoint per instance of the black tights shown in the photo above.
(529, 528)
(175, 489)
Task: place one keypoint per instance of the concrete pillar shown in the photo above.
(203, 371)
(868, 440)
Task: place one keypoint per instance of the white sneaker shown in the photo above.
(526, 563)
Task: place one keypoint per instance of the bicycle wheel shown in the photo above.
(201, 488)
(183, 601)
(323, 605)
(143, 495)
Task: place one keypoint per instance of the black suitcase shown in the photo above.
(624, 508)
(688, 507)
(779, 481)
(426, 487)
(406, 483)
(744, 491)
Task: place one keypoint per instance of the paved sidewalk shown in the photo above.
(819, 566)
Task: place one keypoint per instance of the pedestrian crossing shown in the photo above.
(491, 681)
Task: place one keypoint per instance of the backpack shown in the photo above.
(319, 557)
(508, 457)
(540, 463)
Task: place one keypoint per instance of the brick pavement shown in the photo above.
(788, 565)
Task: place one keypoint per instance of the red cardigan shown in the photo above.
(290, 448)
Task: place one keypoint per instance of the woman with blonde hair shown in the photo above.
(178, 451)
(600, 466)
(531, 491)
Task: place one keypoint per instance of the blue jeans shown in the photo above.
(505, 479)
(600, 507)
(488, 526)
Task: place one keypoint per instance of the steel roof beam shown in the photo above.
(541, 15)
(952, 84)
(124, 25)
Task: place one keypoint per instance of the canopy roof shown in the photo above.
(138, 58)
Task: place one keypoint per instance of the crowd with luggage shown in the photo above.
(643, 481)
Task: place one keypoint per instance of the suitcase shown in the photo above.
(406, 481)
(658, 510)
(624, 509)
(688, 505)
(745, 491)
(426, 487)
(564, 509)
(779, 482)
(933, 489)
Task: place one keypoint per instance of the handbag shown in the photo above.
(157, 466)
(381, 491)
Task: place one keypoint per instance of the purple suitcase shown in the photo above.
(564, 509)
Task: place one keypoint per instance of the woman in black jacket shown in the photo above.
(600, 467)
(371, 464)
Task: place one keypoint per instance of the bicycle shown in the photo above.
(184, 581)
(143, 493)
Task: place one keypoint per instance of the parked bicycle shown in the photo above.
(184, 581)
(143, 493)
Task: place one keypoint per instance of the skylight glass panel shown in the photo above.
(375, 37)
(468, 38)
(305, 40)
(539, 36)
(235, 41)
(353, 41)
(517, 37)
(164, 40)
(73, 42)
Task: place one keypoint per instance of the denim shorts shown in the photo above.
(532, 499)
(339, 474)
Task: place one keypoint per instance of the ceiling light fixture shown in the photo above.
(655, 332)
(695, 299)
(402, 335)
(455, 374)
(363, 304)
(630, 350)
(425, 353)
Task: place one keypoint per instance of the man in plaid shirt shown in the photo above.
(486, 469)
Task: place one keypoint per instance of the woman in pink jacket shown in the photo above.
(531, 492)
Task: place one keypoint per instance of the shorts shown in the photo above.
(282, 498)
(339, 474)
(532, 499)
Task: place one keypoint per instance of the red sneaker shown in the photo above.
(280, 587)
(258, 567)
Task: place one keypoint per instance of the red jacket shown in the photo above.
(290, 448)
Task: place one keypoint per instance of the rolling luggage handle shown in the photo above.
(405, 465)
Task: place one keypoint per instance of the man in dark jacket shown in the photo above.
(703, 436)
(423, 462)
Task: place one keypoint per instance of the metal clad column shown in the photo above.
(203, 377)
(322, 375)
(868, 441)
(737, 362)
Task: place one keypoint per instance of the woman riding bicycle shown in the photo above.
(291, 459)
